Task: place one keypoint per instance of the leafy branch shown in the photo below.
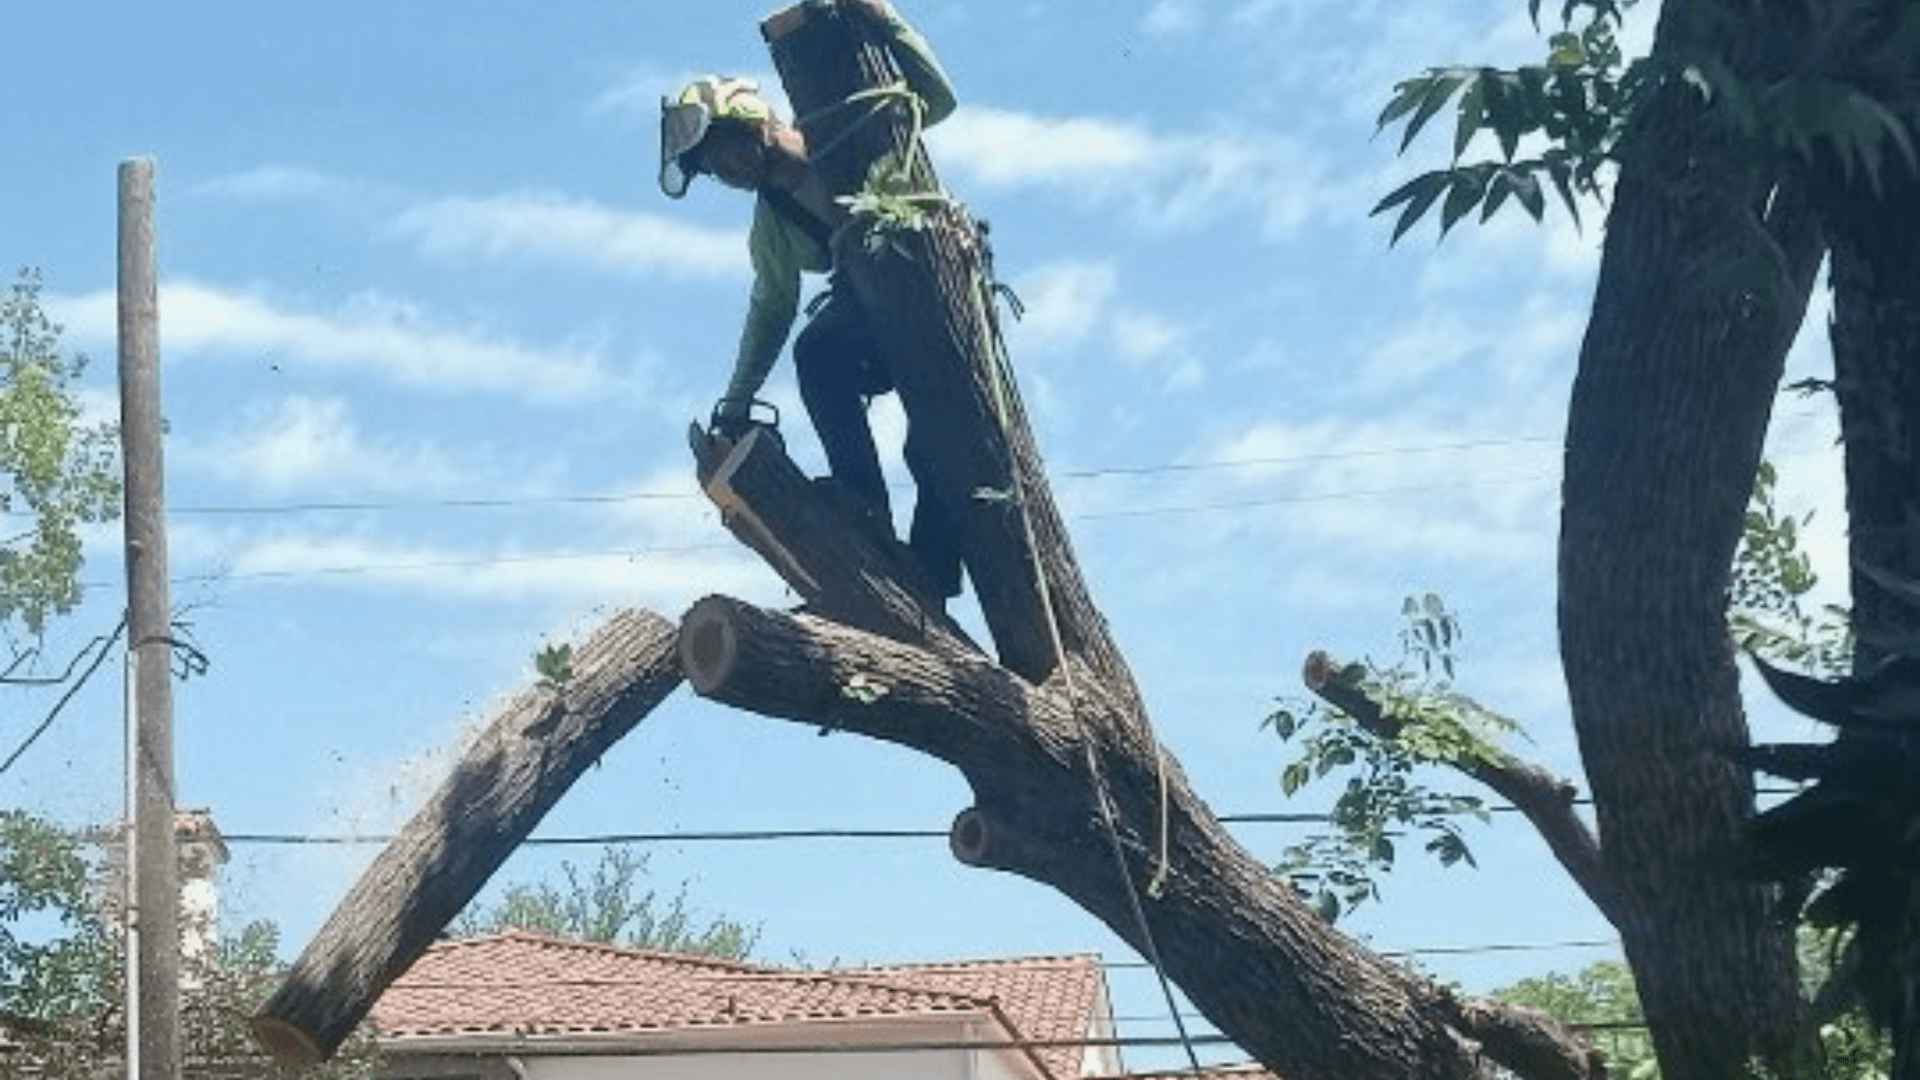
(1414, 719)
(1580, 107)
(1770, 611)
(1578, 101)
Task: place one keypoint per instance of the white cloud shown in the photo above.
(283, 183)
(1485, 492)
(1168, 180)
(370, 335)
(1074, 305)
(1144, 339)
(1064, 303)
(665, 577)
(309, 444)
(554, 228)
(1003, 148)
(1173, 17)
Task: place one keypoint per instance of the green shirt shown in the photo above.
(781, 249)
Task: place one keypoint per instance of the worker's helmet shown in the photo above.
(685, 118)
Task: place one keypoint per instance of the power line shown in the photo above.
(106, 646)
(1089, 473)
(1099, 472)
(697, 836)
(426, 565)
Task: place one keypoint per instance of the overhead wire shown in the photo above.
(697, 836)
(668, 550)
(1090, 473)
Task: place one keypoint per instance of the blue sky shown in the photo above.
(432, 338)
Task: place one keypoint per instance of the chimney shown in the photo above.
(201, 852)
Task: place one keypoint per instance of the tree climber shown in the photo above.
(721, 126)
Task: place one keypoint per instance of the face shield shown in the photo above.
(682, 125)
(685, 119)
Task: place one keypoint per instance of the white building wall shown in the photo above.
(905, 1065)
(712, 1055)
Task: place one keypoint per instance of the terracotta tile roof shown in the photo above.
(536, 985)
(1046, 999)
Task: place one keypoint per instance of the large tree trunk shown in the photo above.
(1707, 266)
(524, 760)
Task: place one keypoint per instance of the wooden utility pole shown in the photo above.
(153, 895)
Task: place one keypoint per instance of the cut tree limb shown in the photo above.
(524, 760)
(817, 537)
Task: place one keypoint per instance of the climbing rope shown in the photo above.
(985, 289)
(1005, 396)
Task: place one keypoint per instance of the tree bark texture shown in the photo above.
(524, 760)
(1706, 270)
(1251, 956)
(949, 369)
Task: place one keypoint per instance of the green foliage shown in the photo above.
(1384, 796)
(609, 906)
(1573, 106)
(1849, 1044)
(1773, 578)
(55, 470)
(1577, 112)
(1602, 998)
(56, 958)
(554, 666)
(229, 987)
(61, 976)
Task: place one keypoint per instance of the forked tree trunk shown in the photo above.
(1070, 786)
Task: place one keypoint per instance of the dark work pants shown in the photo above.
(839, 367)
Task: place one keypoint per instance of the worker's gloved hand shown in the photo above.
(731, 418)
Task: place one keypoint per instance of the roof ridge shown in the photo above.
(1045, 959)
(865, 980)
(856, 977)
(518, 933)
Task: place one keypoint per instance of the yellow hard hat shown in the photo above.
(685, 118)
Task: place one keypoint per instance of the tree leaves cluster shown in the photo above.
(62, 973)
(1602, 998)
(1576, 113)
(1771, 610)
(1577, 99)
(609, 904)
(1387, 789)
(1386, 794)
(55, 468)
